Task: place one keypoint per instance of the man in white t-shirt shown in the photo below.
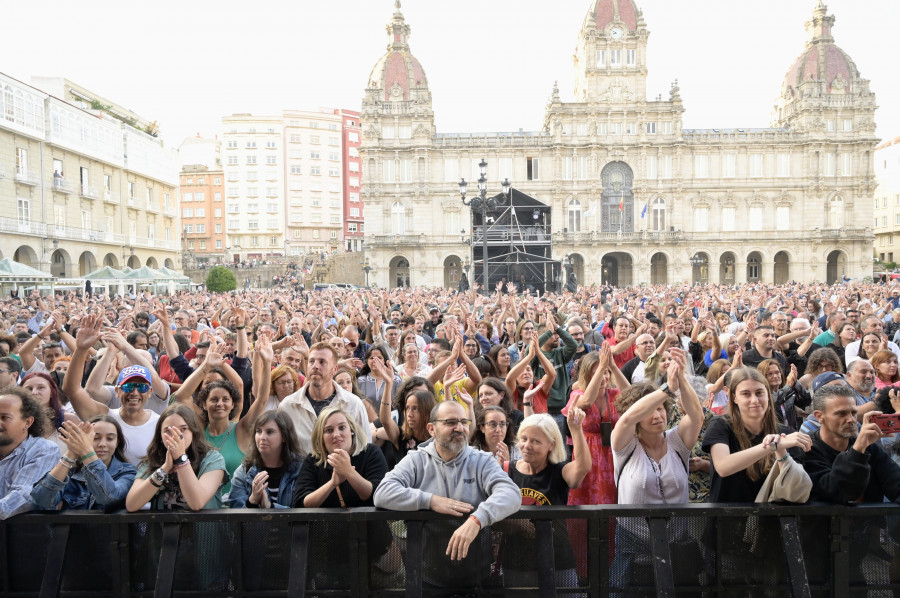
(133, 388)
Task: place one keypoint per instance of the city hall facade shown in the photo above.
(613, 189)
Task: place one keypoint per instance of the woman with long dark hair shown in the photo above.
(492, 391)
(267, 477)
(92, 473)
(46, 392)
(494, 434)
(181, 470)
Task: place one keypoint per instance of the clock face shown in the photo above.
(616, 32)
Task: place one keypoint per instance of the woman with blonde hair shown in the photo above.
(545, 478)
(341, 471)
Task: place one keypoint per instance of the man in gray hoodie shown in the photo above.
(450, 477)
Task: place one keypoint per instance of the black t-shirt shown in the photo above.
(319, 406)
(628, 368)
(546, 488)
(752, 359)
(737, 487)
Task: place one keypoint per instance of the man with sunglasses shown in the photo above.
(482, 493)
(359, 348)
(133, 387)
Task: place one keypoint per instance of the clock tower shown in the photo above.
(611, 53)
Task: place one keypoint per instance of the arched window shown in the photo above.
(658, 215)
(574, 219)
(835, 214)
(398, 219)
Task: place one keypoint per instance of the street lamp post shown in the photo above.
(484, 204)
(367, 268)
(697, 261)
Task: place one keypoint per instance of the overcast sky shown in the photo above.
(490, 64)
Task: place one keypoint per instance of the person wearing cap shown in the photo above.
(133, 388)
(435, 320)
(811, 424)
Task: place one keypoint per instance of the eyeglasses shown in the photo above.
(141, 387)
(527, 328)
(496, 424)
(452, 423)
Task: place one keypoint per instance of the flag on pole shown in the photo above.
(590, 210)
(644, 211)
(622, 202)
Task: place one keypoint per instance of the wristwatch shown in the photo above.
(159, 476)
(180, 460)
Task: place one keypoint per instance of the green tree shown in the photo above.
(220, 280)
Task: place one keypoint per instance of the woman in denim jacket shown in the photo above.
(93, 474)
(266, 477)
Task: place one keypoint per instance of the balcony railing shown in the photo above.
(14, 225)
(111, 197)
(89, 193)
(62, 185)
(27, 178)
(692, 550)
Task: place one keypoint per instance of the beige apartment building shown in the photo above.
(253, 158)
(314, 175)
(613, 188)
(887, 202)
(83, 182)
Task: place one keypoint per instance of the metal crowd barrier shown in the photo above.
(717, 550)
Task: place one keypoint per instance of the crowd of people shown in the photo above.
(469, 404)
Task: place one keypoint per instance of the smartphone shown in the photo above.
(887, 423)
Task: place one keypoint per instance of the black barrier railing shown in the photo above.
(604, 550)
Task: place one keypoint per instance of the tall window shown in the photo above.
(835, 213)
(830, 165)
(652, 172)
(398, 219)
(574, 219)
(22, 161)
(783, 218)
(756, 165)
(533, 169)
(658, 215)
(24, 210)
(567, 169)
(755, 218)
(701, 219)
(784, 165)
(729, 162)
(728, 218)
(665, 167)
(701, 166)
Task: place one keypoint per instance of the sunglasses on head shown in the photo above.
(141, 387)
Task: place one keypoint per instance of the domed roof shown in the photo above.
(821, 60)
(607, 11)
(398, 71)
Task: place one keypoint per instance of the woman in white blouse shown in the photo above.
(651, 463)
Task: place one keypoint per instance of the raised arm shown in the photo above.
(380, 372)
(690, 424)
(575, 471)
(85, 407)
(597, 384)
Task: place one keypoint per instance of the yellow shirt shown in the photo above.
(454, 391)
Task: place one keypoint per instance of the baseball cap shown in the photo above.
(826, 378)
(433, 309)
(134, 371)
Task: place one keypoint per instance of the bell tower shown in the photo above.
(611, 53)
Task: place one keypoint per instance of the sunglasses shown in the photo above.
(141, 387)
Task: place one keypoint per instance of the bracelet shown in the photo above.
(783, 458)
(90, 454)
(154, 483)
(66, 465)
(68, 461)
(383, 403)
(526, 404)
(239, 327)
(180, 465)
(475, 519)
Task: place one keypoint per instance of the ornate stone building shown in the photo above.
(623, 193)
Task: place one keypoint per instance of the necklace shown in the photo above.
(226, 434)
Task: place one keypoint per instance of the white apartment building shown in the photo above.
(83, 182)
(887, 201)
(254, 186)
(315, 185)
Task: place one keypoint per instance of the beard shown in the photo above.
(455, 444)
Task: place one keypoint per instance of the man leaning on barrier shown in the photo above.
(847, 465)
(481, 491)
